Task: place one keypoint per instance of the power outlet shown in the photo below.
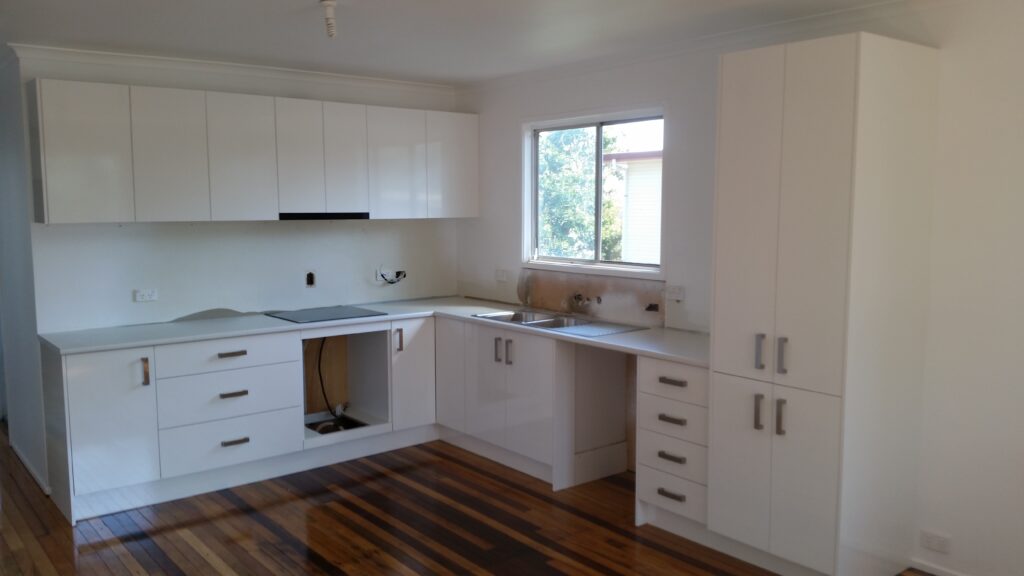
(935, 542)
(674, 292)
(501, 275)
(145, 295)
(310, 278)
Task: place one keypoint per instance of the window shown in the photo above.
(598, 208)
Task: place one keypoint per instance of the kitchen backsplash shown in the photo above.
(627, 300)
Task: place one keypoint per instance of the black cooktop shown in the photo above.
(324, 314)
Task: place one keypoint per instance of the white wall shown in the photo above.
(971, 472)
(17, 312)
(85, 273)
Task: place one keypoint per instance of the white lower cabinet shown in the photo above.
(671, 441)
(412, 373)
(220, 443)
(450, 369)
(510, 390)
(774, 469)
(112, 413)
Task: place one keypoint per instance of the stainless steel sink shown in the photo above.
(558, 322)
(517, 317)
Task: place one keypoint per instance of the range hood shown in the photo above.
(323, 216)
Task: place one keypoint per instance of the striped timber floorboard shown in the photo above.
(430, 509)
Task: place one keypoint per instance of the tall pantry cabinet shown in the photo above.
(821, 263)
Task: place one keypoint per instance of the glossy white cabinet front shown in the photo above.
(243, 156)
(112, 405)
(451, 349)
(452, 165)
(345, 157)
(85, 152)
(486, 396)
(171, 163)
(412, 373)
(300, 155)
(397, 150)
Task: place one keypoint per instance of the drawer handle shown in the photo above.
(401, 340)
(671, 457)
(780, 362)
(672, 419)
(758, 401)
(508, 352)
(145, 372)
(671, 495)
(235, 442)
(780, 427)
(497, 350)
(759, 351)
(236, 394)
(234, 354)
(673, 382)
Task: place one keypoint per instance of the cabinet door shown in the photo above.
(450, 367)
(805, 477)
(112, 406)
(243, 156)
(345, 156)
(485, 384)
(746, 210)
(814, 220)
(300, 155)
(452, 181)
(412, 375)
(740, 459)
(398, 162)
(172, 171)
(86, 150)
(531, 395)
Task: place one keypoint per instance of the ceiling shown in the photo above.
(447, 41)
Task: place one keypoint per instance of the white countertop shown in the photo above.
(664, 343)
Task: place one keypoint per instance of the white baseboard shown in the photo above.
(934, 568)
(500, 455)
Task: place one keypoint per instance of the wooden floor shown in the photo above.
(431, 509)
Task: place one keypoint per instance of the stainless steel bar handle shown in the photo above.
(234, 354)
(145, 371)
(236, 442)
(780, 360)
(673, 382)
(508, 352)
(672, 419)
(758, 402)
(671, 457)
(236, 394)
(780, 427)
(759, 351)
(671, 495)
(401, 340)
(497, 350)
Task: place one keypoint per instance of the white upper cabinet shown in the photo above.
(345, 155)
(452, 165)
(172, 173)
(746, 210)
(814, 219)
(84, 164)
(243, 156)
(300, 155)
(397, 162)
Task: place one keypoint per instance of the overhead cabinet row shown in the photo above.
(115, 153)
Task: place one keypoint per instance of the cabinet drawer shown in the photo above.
(664, 453)
(672, 418)
(199, 447)
(672, 493)
(226, 354)
(672, 380)
(219, 395)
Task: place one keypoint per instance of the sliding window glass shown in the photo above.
(598, 193)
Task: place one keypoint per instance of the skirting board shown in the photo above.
(698, 533)
(600, 463)
(98, 504)
(934, 569)
(499, 455)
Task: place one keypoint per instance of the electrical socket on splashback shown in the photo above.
(935, 542)
(145, 295)
(501, 275)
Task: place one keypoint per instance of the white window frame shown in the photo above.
(530, 200)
